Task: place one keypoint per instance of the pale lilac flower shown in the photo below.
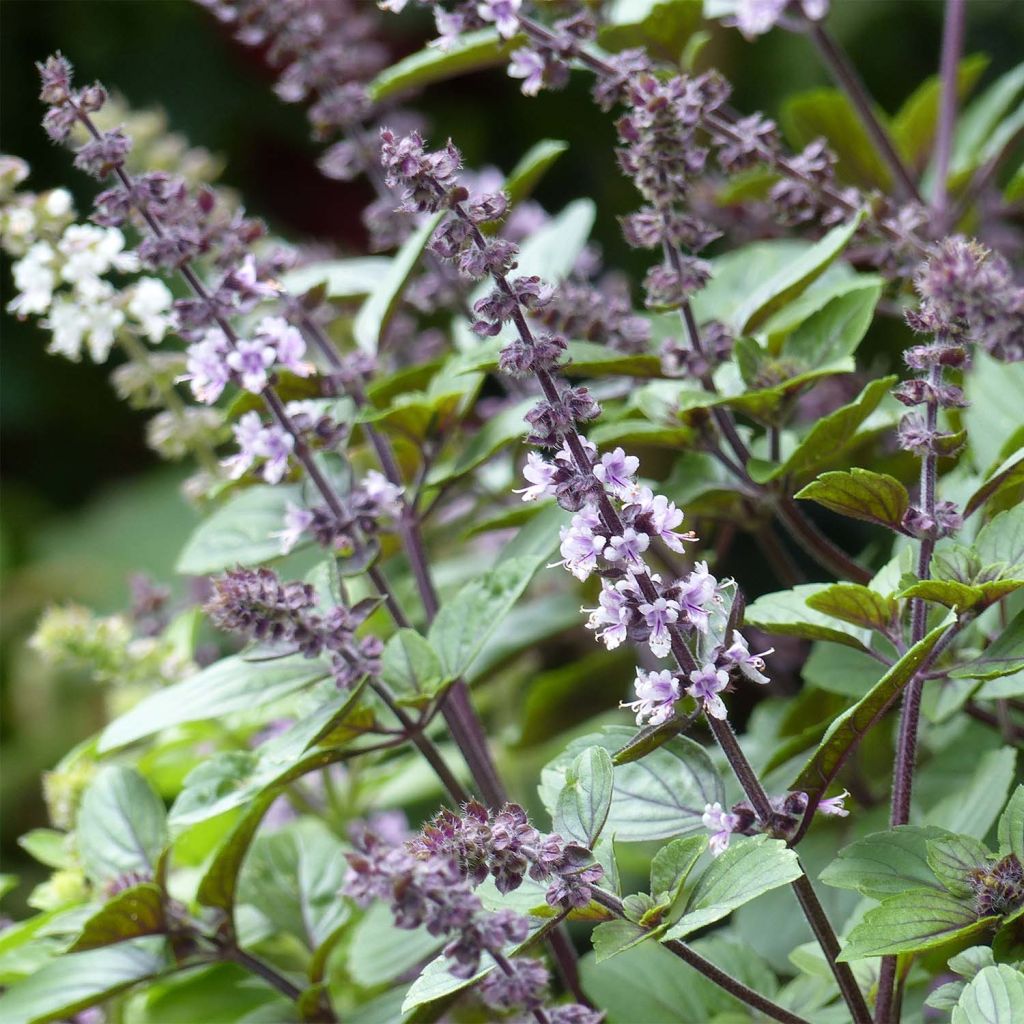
(275, 332)
(628, 548)
(834, 805)
(296, 521)
(659, 615)
(275, 445)
(90, 251)
(386, 496)
(540, 474)
(609, 620)
(251, 360)
(528, 65)
(502, 13)
(247, 431)
(207, 366)
(721, 823)
(580, 548)
(617, 470)
(708, 682)
(247, 285)
(657, 693)
(738, 655)
(696, 593)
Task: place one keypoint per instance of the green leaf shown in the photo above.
(974, 807)
(586, 797)
(551, 252)
(913, 920)
(659, 797)
(979, 122)
(500, 430)
(828, 112)
(1001, 541)
(914, 125)
(532, 166)
(794, 277)
(227, 686)
(1011, 826)
(48, 846)
(994, 996)
(746, 870)
(239, 532)
(828, 437)
(342, 279)
(473, 51)
(672, 865)
(846, 731)
(376, 312)
(613, 937)
(1007, 475)
(855, 604)
(381, 952)
(466, 621)
(972, 960)
(132, 913)
(410, 667)
(837, 329)
(841, 670)
(885, 863)
(1003, 657)
(121, 825)
(787, 613)
(665, 26)
(992, 417)
(1008, 942)
(860, 494)
(952, 857)
(304, 866)
(73, 982)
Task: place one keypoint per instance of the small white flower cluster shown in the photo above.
(61, 274)
(626, 610)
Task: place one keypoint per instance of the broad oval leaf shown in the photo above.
(994, 996)
(659, 797)
(885, 863)
(788, 613)
(860, 494)
(132, 913)
(122, 825)
(746, 870)
(585, 799)
(230, 685)
(239, 532)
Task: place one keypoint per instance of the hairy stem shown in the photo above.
(952, 47)
(724, 981)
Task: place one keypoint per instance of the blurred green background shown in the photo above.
(84, 503)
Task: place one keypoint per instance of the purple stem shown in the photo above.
(952, 47)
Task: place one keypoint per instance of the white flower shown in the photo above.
(67, 323)
(91, 251)
(35, 280)
(57, 202)
(150, 300)
(90, 317)
(20, 221)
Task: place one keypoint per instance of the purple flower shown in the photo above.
(251, 360)
(275, 445)
(657, 693)
(695, 594)
(738, 656)
(580, 547)
(247, 433)
(540, 475)
(707, 683)
(207, 367)
(659, 517)
(528, 65)
(722, 824)
(275, 332)
(834, 805)
(628, 548)
(659, 615)
(610, 619)
(617, 470)
(502, 13)
(296, 521)
(382, 497)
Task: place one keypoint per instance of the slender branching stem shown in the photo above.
(952, 47)
(724, 981)
(823, 550)
(845, 74)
